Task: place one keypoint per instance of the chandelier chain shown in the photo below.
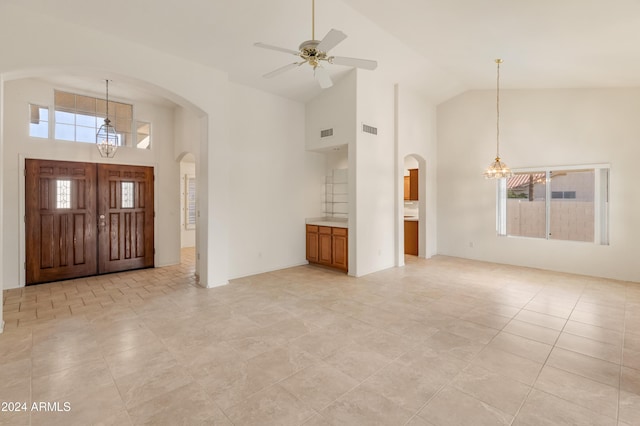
(498, 61)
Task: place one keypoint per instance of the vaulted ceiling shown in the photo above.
(439, 47)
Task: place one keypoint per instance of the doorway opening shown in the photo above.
(413, 209)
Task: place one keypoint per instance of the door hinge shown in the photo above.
(154, 214)
(154, 250)
(25, 218)
(25, 265)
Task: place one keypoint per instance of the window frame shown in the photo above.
(602, 176)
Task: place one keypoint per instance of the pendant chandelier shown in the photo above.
(498, 169)
(107, 138)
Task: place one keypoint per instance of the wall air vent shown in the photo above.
(326, 133)
(369, 129)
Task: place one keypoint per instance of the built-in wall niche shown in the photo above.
(336, 194)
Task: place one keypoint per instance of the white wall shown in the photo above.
(187, 236)
(273, 182)
(416, 135)
(539, 128)
(373, 170)
(332, 108)
(18, 146)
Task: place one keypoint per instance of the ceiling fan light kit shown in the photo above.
(314, 52)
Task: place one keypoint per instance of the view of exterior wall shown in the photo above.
(569, 220)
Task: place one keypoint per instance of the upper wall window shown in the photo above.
(78, 118)
(143, 135)
(569, 203)
(38, 121)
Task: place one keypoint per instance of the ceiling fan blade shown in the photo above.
(331, 40)
(322, 77)
(279, 49)
(354, 62)
(281, 70)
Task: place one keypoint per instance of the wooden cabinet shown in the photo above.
(328, 246)
(312, 243)
(339, 249)
(411, 237)
(324, 245)
(411, 185)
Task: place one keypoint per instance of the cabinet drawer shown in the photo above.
(312, 228)
(324, 229)
(340, 231)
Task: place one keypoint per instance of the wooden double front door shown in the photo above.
(86, 219)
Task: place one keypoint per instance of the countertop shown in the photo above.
(328, 221)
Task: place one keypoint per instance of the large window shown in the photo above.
(78, 118)
(569, 203)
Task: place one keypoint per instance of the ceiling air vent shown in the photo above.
(369, 129)
(326, 133)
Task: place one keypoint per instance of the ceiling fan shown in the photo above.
(314, 52)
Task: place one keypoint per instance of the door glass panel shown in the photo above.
(63, 194)
(127, 195)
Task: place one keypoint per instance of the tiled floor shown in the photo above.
(439, 342)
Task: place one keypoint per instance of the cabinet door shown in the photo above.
(411, 237)
(340, 248)
(407, 187)
(324, 245)
(312, 246)
(413, 184)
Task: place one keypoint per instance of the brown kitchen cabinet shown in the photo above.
(328, 246)
(411, 185)
(411, 237)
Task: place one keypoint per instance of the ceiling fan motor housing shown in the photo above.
(310, 53)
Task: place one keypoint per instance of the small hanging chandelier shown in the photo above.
(107, 138)
(498, 169)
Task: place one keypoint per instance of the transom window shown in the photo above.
(78, 118)
(569, 203)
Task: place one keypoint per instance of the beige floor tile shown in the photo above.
(509, 365)
(549, 308)
(542, 408)
(487, 319)
(630, 380)
(586, 366)
(532, 331)
(612, 322)
(407, 332)
(146, 384)
(407, 387)
(471, 331)
(629, 408)
(364, 407)
(592, 395)
(272, 406)
(452, 407)
(318, 385)
(543, 320)
(186, 405)
(604, 335)
(631, 358)
(454, 345)
(357, 361)
(521, 346)
(496, 390)
(590, 347)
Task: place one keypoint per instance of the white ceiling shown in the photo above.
(440, 47)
